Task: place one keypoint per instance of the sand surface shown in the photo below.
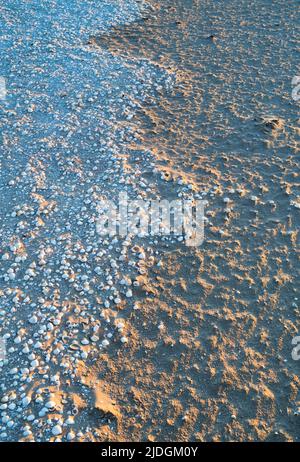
(144, 338)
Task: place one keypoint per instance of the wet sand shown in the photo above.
(220, 368)
(146, 339)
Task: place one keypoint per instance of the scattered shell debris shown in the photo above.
(93, 322)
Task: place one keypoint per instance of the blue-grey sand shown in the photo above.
(143, 338)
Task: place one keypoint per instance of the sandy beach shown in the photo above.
(141, 337)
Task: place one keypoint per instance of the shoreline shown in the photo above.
(143, 338)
